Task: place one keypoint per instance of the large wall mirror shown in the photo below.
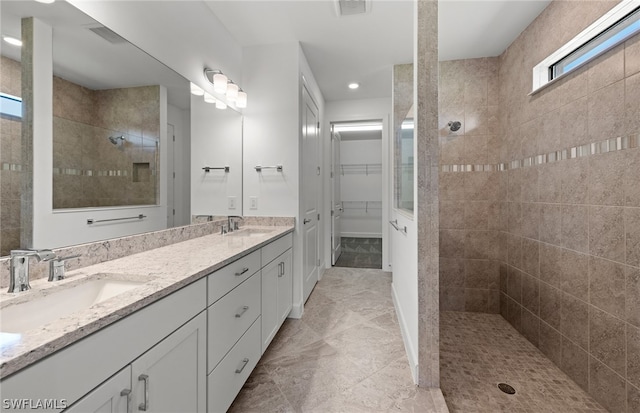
(106, 119)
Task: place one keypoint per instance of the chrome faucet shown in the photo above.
(231, 224)
(19, 277)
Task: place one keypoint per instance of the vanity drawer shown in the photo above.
(230, 317)
(227, 278)
(226, 380)
(271, 251)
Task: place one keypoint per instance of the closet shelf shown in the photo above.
(361, 169)
(368, 207)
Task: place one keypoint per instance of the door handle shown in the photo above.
(144, 406)
(281, 269)
(127, 393)
(306, 221)
(242, 366)
(244, 310)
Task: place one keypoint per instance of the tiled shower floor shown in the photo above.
(478, 351)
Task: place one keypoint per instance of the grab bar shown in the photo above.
(95, 221)
(260, 168)
(394, 224)
(211, 168)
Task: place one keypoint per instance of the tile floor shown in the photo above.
(478, 351)
(360, 253)
(345, 355)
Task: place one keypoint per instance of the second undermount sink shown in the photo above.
(59, 302)
(250, 232)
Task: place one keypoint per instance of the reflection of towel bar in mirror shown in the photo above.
(95, 221)
(211, 168)
(260, 168)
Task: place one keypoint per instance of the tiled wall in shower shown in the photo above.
(89, 168)
(472, 204)
(10, 160)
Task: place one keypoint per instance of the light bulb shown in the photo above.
(232, 92)
(241, 102)
(196, 90)
(208, 98)
(220, 83)
(220, 105)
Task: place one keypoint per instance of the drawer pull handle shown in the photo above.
(244, 310)
(245, 269)
(281, 267)
(144, 406)
(127, 393)
(244, 364)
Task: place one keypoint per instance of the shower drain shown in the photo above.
(506, 388)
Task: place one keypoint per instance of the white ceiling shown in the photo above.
(363, 48)
(340, 50)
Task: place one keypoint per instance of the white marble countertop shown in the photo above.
(160, 271)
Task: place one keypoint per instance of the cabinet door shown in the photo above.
(270, 275)
(285, 286)
(112, 396)
(171, 376)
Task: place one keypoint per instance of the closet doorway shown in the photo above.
(356, 180)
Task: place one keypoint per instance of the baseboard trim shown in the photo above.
(411, 354)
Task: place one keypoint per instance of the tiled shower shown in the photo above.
(540, 201)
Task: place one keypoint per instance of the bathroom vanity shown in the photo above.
(181, 329)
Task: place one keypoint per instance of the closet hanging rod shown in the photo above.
(95, 221)
(211, 168)
(259, 168)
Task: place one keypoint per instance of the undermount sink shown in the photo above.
(250, 232)
(59, 302)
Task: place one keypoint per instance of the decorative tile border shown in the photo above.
(11, 167)
(589, 149)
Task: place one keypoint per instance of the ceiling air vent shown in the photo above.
(108, 35)
(350, 7)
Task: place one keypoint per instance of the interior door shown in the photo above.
(171, 209)
(310, 180)
(336, 200)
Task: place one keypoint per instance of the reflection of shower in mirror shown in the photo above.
(117, 140)
(454, 125)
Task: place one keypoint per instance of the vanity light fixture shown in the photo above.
(208, 98)
(196, 90)
(241, 102)
(353, 85)
(12, 41)
(233, 93)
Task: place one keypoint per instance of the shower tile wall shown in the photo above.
(89, 170)
(572, 282)
(10, 160)
(472, 204)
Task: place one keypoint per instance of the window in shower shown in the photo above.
(618, 25)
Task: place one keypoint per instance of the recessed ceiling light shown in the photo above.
(45, 1)
(353, 85)
(12, 40)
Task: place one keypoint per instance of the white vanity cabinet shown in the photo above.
(112, 396)
(277, 295)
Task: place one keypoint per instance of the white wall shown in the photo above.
(353, 110)
(272, 137)
(360, 219)
(184, 35)
(181, 121)
(216, 141)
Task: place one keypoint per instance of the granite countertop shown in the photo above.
(159, 272)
